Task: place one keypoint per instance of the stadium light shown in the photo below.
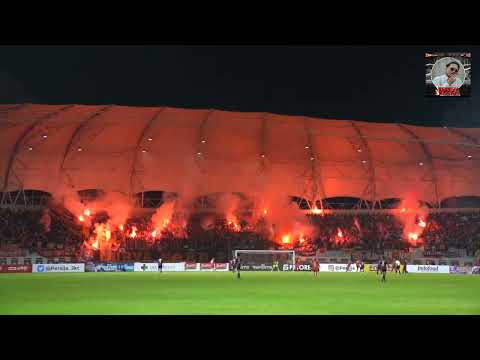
(79, 149)
(204, 141)
(469, 156)
(364, 161)
(150, 139)
(262, 155)
(307, 147)
(30, 148)
(199, 153)
(359, 150)
(312, 158)
(44, 136)
(144, 151)
(421, 163)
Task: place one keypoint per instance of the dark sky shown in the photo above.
(372, 83)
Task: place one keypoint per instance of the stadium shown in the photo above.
(93, 196)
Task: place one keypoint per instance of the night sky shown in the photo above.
(371, 83)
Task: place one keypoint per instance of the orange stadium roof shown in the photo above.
(135, 149)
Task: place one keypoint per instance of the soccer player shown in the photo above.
(238, 266)
(160, 265)
(348, 266)
(379, 266)
(397, 266)
(275, 266)
(383, 269)
(404, 267)
(315, 267)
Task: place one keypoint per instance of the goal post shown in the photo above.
(262, 260)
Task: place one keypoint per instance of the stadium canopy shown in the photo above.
(136, 149)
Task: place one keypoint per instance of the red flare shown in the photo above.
(133, 234)
(81, 218)
(422, 223)
(87, 212)
(413, 236)
(286, 239)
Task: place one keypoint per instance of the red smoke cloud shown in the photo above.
(410, 211)
(163, 215)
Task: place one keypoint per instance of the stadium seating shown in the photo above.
(446, 235)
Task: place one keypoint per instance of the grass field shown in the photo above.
(221, 293)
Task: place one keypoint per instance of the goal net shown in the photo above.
(263, 260)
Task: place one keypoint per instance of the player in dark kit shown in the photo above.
(238, 266)
(383, 269)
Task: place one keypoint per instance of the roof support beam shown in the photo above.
(140, 140)
(262, 157)
(428, 159)
(35, 124)
(371, 168)
(470, 139)
(317, 187)
(76, 134)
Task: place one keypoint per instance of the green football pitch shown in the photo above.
(222, 293)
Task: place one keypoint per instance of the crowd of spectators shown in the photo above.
(24, 231)
(378, 232)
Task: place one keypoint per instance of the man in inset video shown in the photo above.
(449, 83)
